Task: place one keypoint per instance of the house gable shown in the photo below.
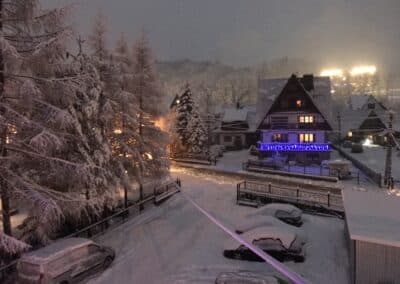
(294, 97)
(372, 122)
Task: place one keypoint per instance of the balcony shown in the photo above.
(295, 126)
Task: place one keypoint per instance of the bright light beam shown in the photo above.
(363, 70)
(332, 73)
(274, 263)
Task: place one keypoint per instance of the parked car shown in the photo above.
(280, 244)
(254, 222)
(248, 277)
(65, 261)
(285, 212)
(339, 168)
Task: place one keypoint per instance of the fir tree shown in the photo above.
(197, 141)
(54, 152)
(184, 111)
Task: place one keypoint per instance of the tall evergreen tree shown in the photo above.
(150, 101)
(98, 37)
(54, 153)
(184, 110)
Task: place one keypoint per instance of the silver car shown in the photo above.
(65, 261)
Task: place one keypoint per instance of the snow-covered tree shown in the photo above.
(151, 106)
(55, 158)
(197, 142)
(98, 39)
(184, 109)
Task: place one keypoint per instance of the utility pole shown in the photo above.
(388, 163)
(339, 120)
(5, 198)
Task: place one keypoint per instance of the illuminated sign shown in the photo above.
(295, 147)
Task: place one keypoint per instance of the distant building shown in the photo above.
(295, 118)
(236, 127)
(365, 117)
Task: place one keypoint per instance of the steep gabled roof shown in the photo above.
(296, 81)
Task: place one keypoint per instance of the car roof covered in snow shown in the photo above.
(266, 232)
(246, 277)
(259, 220)
(54, 250)
(273, 207)
(373, 216)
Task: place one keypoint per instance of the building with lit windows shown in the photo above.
(296, 123)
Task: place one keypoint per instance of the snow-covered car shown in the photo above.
(64, 261)
(339, 168)
(285, 212)
(247, 277)
(254, 222)
(283, 245)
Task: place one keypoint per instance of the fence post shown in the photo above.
(320, 171)
(141, 207)
(329, 199)
(358, 177)
(237, 193)
(269, 187)
(297, 194)
(304, 168)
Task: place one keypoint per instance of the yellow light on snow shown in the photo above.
(332, 73)
(363, 70)
(117, 131)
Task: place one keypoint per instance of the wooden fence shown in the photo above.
(251, 193)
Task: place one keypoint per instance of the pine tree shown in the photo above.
(55, 155)
(97, 39)
(153, 140)
(197, 141)
(184, 110)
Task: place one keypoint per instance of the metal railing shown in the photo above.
(294, 195)
(194, 158)
(100, 227)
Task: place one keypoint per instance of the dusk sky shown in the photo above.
(333, 32)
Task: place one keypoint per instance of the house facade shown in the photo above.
(294, 126)
(236, 128)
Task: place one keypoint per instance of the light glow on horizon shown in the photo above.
(363, 70)
(332, 73)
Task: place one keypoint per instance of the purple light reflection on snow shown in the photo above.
(274, 263)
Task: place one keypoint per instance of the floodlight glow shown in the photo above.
(332, 73)
(363, 70)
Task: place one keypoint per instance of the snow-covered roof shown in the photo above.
(358, 101)
(55, 249)
(235, 114)
(269, 90)
(373, 216)
(285, 235)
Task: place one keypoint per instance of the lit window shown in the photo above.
(306, 119)
(306, 137)
(299, 103)
(283, 138)
(350, 134)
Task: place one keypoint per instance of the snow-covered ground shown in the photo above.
(174, 243)
(375, 157)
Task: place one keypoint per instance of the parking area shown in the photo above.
(175, 243)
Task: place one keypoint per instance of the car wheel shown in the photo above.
(107, 262)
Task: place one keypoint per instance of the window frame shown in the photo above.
(306, 137)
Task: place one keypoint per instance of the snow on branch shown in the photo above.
(10, 247)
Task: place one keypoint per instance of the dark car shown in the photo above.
(65, 261)
(281, 245)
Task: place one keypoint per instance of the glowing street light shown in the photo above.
(363, 70)
(332, 73)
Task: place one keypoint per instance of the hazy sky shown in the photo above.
(242, 32)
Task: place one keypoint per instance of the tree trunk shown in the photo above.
(5, 199)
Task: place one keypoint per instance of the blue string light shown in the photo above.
(295, 147)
